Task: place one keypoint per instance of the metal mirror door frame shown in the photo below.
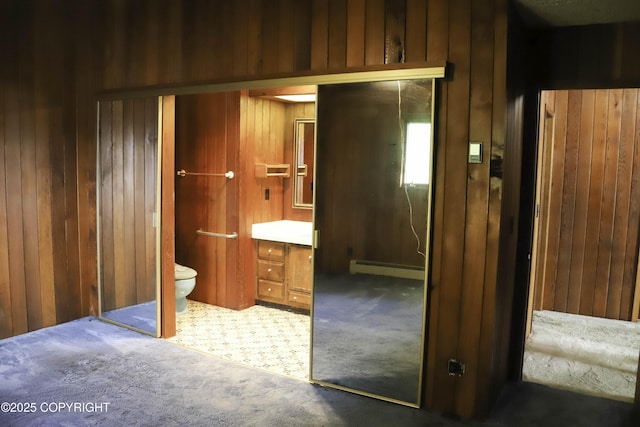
(318, 240)
(153, 218)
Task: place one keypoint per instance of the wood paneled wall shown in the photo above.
(207, 131)
(264, 126)
(40, 263)
(590, 218)
(128, 158)
(60, 53)
(262, 135)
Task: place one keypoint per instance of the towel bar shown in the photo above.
(233, 235)
(183, 173)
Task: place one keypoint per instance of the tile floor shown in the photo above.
(261, 337)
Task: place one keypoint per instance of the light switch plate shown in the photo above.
(475, 152)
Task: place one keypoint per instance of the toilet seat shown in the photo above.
(184, 273)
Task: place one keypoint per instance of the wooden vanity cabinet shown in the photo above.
(284, 274)
(270, 271)
(298, 276)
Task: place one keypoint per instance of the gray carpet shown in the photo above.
(585, 354)
(367, 333)
(149, 381)
(141, 316)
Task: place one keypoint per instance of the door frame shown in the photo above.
(167, 217)
(157, 238)
(540, 229)
(166, 125)
(525, 301)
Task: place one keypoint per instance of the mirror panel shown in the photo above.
(127, 204)
(303, 162)
(369, 293)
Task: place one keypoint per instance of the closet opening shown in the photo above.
(582, 330)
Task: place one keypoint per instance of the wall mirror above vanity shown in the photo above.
(303, 162)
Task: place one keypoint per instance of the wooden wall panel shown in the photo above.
(356, 32)
(86, 131)
(478, 236)
(374, 49)
(39, 175)
(6, 315)
(117, 44)
(337, 34)
(262, 134)
(212, 137)
(204, 125)
(13, 178)
(454, 179)
(590, 262)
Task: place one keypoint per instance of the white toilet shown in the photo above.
(185, 282)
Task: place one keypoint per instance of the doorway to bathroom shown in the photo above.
(248, 133)
(220, 139)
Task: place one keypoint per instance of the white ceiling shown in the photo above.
(577, 12)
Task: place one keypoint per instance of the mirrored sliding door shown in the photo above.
(127, 183)
(372, 204)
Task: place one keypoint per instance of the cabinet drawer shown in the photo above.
(268, 289)
(270, 250)
(299, 299)
(271, 270)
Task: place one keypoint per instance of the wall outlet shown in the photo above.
(455, 368)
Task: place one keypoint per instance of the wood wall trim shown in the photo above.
(421, 70)
(167, 215)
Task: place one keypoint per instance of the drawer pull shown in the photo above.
(268, 270)
(269, 251)
(269, 290)
(295, 298)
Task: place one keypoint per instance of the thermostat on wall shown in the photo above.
(475, 152)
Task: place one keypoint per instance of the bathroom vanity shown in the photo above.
(284, 263)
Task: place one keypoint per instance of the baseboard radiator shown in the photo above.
(386, 269)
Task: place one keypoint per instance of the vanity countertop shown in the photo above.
(298, 232)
